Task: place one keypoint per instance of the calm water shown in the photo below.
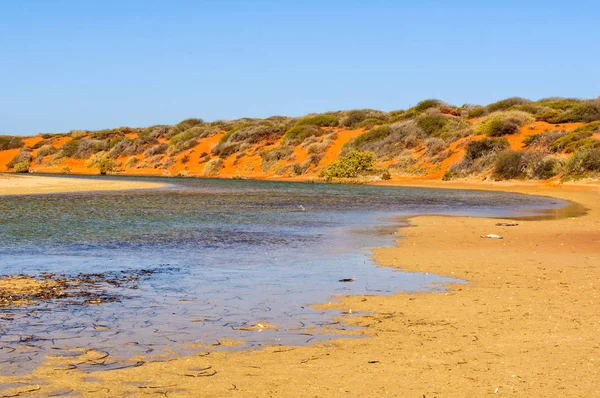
(230, 254)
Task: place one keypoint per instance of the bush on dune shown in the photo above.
(351, 165)
(275, 155)
(503, 123)
(580, 138)
(448, 128)
(10, 142)
(102, 162)
(506, 104)
(182, 126)
(21, 162)
(387, 141)
(355, 117)
(156, 150)
(479, 156)
(569, 110)
(583, 163)
(321, 120)
(533, 165)
(213, 167)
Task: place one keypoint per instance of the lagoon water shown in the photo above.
(224, 255)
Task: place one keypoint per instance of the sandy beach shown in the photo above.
(525, 323)
(12, 184)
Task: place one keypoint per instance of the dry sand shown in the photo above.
(527, 323)
(13, 184)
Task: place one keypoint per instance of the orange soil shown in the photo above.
(343, 136)
(516, 140)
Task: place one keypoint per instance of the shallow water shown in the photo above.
(230, 254)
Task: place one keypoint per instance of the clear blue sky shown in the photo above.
(97, 64)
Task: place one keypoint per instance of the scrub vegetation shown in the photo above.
(514, 138)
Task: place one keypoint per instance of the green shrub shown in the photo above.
(509, 165)
(477, 149)
(9, 142)
(193, 132)
(102, 162)
(442, 126)
(46, 150)
(22, 167)
(355, 117)
(580, 138)
(434, 145)
(507, 104)
(370, 123)
(23, 159)
(185, 159)
(542, 141)
(213, 167)
(568, 110)
(154, 132)
(182, 126)
(275, 155)
(156, 150)
(476, 111)
(321, 120)
(351, 165)
(387, 141)
(299, 133)
(583, 163)
(503, 123)
(131, 162)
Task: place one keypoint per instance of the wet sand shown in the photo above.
(526, 323)
(11, 184)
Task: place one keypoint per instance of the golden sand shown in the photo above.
(11, 184)
(526, 324)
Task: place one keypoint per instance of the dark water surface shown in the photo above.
(228, 254)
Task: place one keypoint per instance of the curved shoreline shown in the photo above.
(525, 324)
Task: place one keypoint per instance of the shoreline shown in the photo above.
(490, 335)
(18, 184)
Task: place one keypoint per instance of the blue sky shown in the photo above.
(98, 64)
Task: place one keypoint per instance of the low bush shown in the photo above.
(434, 145)
(474, 111)
(181, 146)
(131, 162)
(583, 163)
(102, 162)
(351, 165)
(10, 142)
(370, 123)
(154, 132)
(156, 150)
(580, 138)
(387, 141)
(21, 162)
(568, 110)
(543, 141)
(480, 148)
(321, 120)
(275, 155)
(355, 117)
(449, 128)
(480, 156)
(182, 126)
(213, 167)
(503, 123)
(509, 165)
(299, 133)
(46, 150)
(506, 104)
